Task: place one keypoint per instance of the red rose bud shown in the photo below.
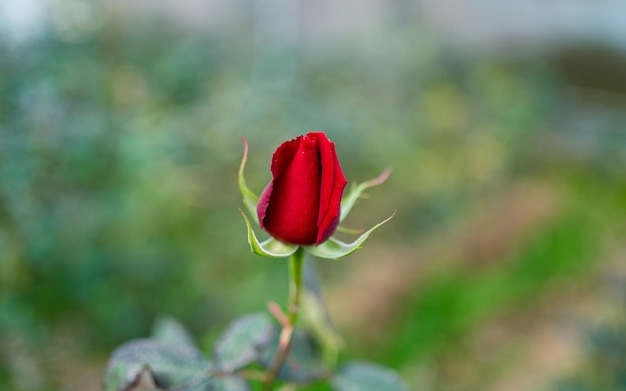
(301, 204)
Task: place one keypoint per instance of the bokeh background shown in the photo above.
(504, 123)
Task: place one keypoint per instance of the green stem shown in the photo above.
(296, 260)
(295, 284)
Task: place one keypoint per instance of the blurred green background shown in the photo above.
(505, 126)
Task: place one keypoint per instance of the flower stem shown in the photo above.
(296, 260)
(295, 284)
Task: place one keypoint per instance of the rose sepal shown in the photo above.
(250, 200)
(271, 247)
(356, 192)
(335, 248)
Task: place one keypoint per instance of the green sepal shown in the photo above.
(335, 248)
(250, 200)
(271, 247)
(356, 192)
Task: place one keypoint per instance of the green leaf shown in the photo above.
(356, 192)
(177, 367)
(169, 330)
(363, 376)
(232, 383)
(271, 247)
(303, 364)
(250, 200)
(143, 380)
(243, 341)
(335, 249)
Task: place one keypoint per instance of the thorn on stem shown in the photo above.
(278, 313)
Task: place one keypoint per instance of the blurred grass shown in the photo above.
(442, 314)
(118, 199)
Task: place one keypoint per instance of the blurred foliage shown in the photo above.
(119, 148)
(441, 314)
(604, 367)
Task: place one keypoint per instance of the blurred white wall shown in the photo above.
(22, 19)
(532, 22)
(477, 23)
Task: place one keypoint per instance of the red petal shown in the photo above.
(332, 184)
(280, 160)
(290, 204)
(264, 201)
(284, 155)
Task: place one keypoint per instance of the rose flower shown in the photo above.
(301, 204)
